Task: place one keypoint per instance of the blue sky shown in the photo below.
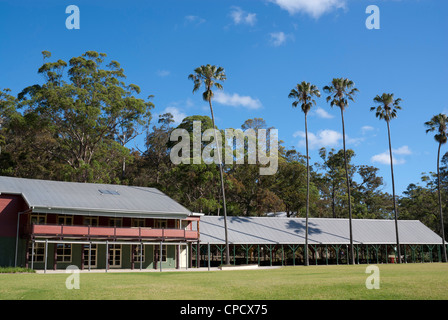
(266, 47)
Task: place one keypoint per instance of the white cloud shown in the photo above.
(163, 73)
(278, 38)
(178, 115)
(240, 16)
(404, 150)
(321, 113)
(366, 129)
(323, 138)
(384, 158)
(315, 8)
(194, 20)
(235, 100)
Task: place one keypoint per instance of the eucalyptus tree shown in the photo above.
(211, 76)
(8, 105)
(304, 94)
(438, 123)
(386, 109)
(86, 103)
(340, 91)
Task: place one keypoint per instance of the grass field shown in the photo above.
(410, 281)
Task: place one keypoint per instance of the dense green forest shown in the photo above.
(78, 123)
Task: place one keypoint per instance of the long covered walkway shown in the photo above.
(268, 241)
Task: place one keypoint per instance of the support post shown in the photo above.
(46, 255)
(55, 256)
(186, 256)
(132, 256)
(32, 254)
(198, 255)
(293, 249)
(141, 256)
(107, 255)
(208, 255)
(160, 256)
(90, 254)
(347, 255)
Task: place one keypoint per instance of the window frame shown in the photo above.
(85, 218)
(160, 222)
(114, 224)
(64, 218)
(66, 252)
(93, 255)
(137, 253)
(38, 216)
(135, 222)
(41, 256)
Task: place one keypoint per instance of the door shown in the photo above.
(115, 255)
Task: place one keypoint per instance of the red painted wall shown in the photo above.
(10, 205)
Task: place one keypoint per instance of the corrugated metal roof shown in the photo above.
(270, 230)
(92, 199)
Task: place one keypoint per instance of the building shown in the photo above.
(281, 241)
(52, 224)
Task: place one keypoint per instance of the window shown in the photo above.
(137, 254)
(64, 252)
(93, 255)
(39, 251)
(138, 222)
(115, 255)
(115, 222)
(157, 253)
(65, 220)
(38, 218)
(161, 224)
(91, 221)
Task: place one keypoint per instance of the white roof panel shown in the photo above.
(271, 230)
(91, 198)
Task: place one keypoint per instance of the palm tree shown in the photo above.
(210, 76)
(439, 123)
(387, 110)
(303, 93)
(340, 91)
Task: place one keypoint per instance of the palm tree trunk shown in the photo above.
(393, 194)
(442, 231)
(352, 252)
(333, 199)
(307, 192)
(222, 186)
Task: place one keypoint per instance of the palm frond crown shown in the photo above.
(438, 123)
(340, 91)
(387, 107)
(209, 76)
(303, 94)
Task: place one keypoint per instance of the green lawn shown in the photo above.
(410, 281)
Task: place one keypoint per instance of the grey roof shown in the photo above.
(92, 199)
(271, 230)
